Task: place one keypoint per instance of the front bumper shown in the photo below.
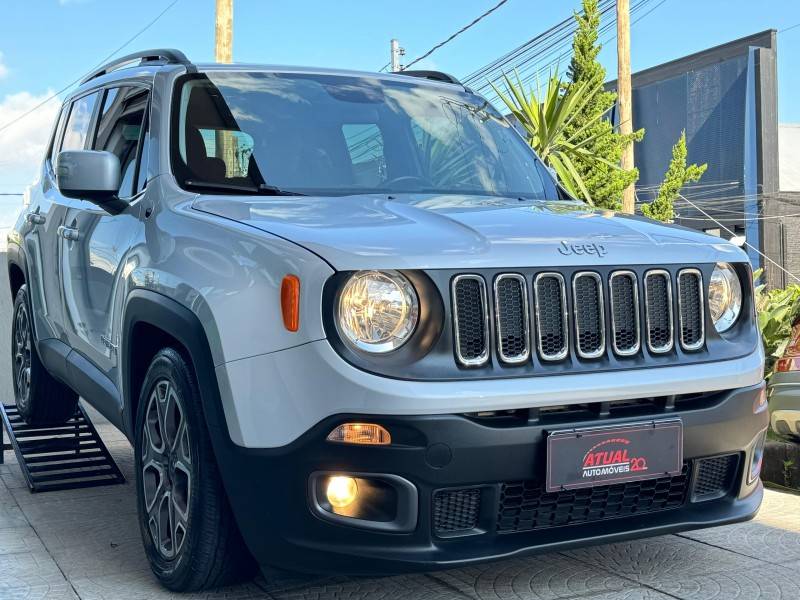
(269, 488)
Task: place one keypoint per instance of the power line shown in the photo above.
(565, 42)
(756, 250)
(545, 40)
(102, 62)
(785, 29)
(456, 34)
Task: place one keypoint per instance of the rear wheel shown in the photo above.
(41, 399)
(190, 536)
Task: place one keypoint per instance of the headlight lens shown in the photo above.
(378, 310)
(724, 296)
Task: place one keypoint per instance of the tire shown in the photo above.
(190, 536)
(41, 399)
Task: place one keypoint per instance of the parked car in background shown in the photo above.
(350, 323)
(784, 390)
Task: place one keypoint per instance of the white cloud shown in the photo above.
(3, 67)
(23, 143)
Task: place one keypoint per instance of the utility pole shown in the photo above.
(397, 52)
(223, 47)
(624, 95)
(225, 142)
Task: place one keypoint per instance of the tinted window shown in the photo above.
(80, 116)
(119, 130)
(337, 135)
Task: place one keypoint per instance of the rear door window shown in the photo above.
(80, 117)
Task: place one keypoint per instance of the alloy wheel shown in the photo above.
(22, 355)
(166, 469)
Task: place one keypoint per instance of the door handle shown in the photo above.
(35, 218)
(68, 233)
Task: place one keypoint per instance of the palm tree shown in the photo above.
(546, 115)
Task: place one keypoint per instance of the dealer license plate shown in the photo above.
(579, 458)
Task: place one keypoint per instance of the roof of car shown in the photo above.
(148, 61)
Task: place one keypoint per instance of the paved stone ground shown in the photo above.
(85, 544)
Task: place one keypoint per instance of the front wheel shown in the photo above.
(40, 398)
(190, 536)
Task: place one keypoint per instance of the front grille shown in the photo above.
(624, 312)
(551, 316)
(526, 506)
(587, 296)
(658, 310)
(714, 477)
(690, 301)
(456, 510)
(471, 320)
(511, 311)
(567, 318)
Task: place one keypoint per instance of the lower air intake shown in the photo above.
(526, 506)
(714, 477)
(456, 510)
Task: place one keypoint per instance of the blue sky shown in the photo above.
(44, 44)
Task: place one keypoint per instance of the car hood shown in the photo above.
(416, 231)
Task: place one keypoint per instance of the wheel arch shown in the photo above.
(17, 268)
(151, 322)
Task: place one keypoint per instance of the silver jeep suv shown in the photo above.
(350, 323)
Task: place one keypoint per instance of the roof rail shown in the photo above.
(166, 55)
(433, 75)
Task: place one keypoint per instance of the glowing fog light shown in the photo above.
(341, 491)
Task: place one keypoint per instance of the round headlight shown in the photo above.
(724, 296)
(378, 310)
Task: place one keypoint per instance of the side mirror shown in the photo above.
(90, 175)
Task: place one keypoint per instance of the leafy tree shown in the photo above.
(548, 117)
(604, 181)
(678, 175)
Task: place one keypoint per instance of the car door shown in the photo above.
(95, 243)
(45, 217)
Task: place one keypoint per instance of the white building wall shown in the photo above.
(789, 156)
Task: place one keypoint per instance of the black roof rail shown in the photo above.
(433, 75)
(166, 55)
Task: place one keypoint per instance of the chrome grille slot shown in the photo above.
(551, 316)
(624, 300)
(658, 310)
(511, 316)
(470, 320)
(691, 309)
(590, 327)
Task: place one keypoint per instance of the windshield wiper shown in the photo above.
(261, 189)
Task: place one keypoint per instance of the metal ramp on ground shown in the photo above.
(63, 457)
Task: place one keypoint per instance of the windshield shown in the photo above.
(333, 135)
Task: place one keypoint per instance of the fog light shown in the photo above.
(368, 434)
(341, 491)
(757, 458)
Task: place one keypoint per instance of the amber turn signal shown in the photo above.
(290, 302)
(366, 434)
